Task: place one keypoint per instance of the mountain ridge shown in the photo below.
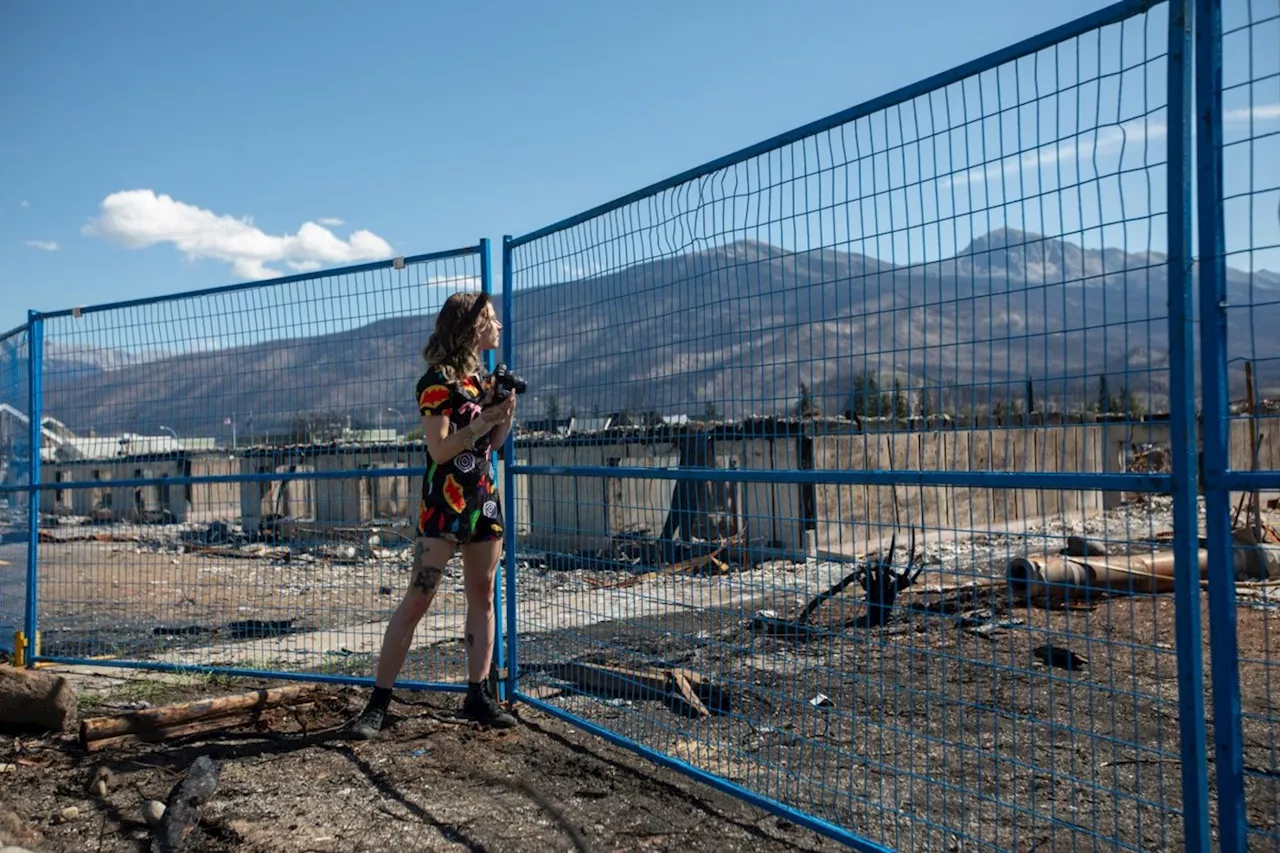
(735, 328)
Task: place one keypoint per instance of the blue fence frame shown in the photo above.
(671, 221)
(15, 483)
(1233, 310)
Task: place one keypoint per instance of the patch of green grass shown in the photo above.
(143, 690)
(350, 665)
(87, 703)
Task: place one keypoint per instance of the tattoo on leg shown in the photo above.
(471, 640)
(426, 579)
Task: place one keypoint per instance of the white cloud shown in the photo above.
(454, 282)
(43, 245)
(25, 203)
(139, 219)
(1105, 139)
(1260, 112)
(331, 221)
(1078, 150)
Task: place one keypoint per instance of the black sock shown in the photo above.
(381, 697)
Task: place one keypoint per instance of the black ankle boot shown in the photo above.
(369, 723)
(484, 709)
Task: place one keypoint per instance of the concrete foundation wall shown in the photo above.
(214, 501)
(851, 518)
(154, 502)
(586, 513)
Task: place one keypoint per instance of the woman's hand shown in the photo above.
(499, 414)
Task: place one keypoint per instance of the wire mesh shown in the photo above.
(1249, 89)
(233, 476)
(843, 472)
(15, 459)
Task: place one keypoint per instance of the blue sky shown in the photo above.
(169, 125)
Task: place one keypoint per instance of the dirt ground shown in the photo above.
(946, 730)
(938, 732)
(969, 722)
(431, 783)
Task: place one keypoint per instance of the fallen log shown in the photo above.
(185, 806)
(640, 683)
(195, 727)
(169, 716)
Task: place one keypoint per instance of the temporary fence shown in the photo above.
(859, 383)
(849, 468)
(229, 479)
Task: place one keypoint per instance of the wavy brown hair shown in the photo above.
(452, 346)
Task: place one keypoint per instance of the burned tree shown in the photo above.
(880, 579)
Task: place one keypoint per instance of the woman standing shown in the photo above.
(460, 508)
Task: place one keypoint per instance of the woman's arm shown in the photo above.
(443, 445)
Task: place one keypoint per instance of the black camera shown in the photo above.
(504, 382)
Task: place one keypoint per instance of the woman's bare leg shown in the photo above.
(479, 566)
(430, 556)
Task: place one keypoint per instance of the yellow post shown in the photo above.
(19, 649)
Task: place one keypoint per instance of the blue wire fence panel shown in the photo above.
(843, 473)
(15, 458)
(1239, 79)
(233, 476)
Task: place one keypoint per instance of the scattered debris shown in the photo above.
(689, 566)
(575, 835)
(680, 690)
(1150, 459)
(1078, 546)
(99, 782)
(259, 628)
(822, 701)
(152, 812)
(769, 622)
(1059, 657)
(185, 806)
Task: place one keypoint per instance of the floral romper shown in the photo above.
(459, 500)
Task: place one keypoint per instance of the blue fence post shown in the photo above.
(35, 369)
(1223, 643)
(1186, 506)
(486, 286)
(509, 482)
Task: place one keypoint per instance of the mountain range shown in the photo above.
(730, 330)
